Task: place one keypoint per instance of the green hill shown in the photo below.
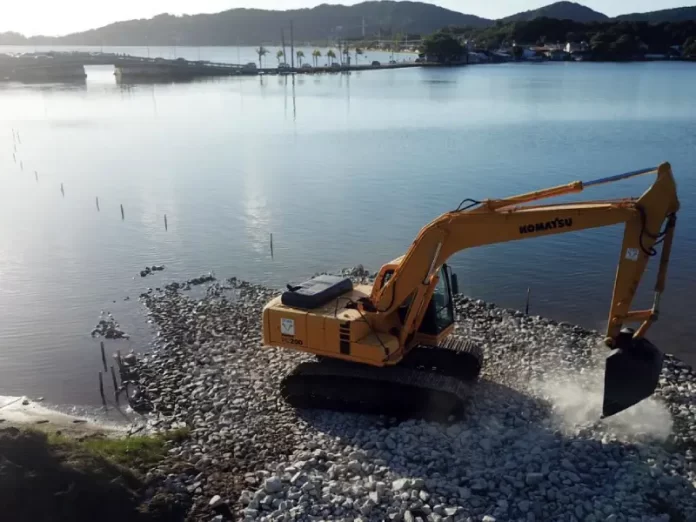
(256, 26)
(560, 11)
(678, 14)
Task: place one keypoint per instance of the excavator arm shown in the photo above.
(648, 219)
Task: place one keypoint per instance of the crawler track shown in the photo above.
(432, 383)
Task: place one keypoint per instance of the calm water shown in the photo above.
(342, 169)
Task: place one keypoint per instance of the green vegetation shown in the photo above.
(300, 57)
(443, 48)
(50, 477)
(677, 14)
(560, 11)
(331, 55)
(316, 54)
(261, 52)
(606, 40)
(138, 453)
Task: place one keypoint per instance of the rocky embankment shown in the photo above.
(531, 447)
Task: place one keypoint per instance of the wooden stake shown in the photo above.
(526, 308)
(165, 222)
(103, 355)
(123, 216)
(62, 191)
(113, 378)
(101, 389)
(36, 176)
(271, 245)
(119, 361)
(98, 204)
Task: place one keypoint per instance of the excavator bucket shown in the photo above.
(631, 375)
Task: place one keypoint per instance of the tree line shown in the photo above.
(331, 56)
(611, 40)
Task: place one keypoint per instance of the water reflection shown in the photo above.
(257, 213)
(65, 86)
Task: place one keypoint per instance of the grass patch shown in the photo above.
(139, 452)
(54, 478)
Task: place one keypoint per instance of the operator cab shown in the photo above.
(440, 313)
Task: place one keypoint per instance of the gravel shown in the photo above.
(530, 448)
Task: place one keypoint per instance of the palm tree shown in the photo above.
(300, 56)
(346, 55)
(331, 55)
(358, 52)
(261, 51)
(280, 54)
(316, 54)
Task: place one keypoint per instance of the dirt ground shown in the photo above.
(44, 478)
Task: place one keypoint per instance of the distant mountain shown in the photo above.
(678, 14)
(256, 26)
(325, 22)
(561, 11)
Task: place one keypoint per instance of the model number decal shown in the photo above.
(292, 340)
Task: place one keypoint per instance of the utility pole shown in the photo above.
(292, 46)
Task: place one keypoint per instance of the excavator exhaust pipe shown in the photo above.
(632, 373)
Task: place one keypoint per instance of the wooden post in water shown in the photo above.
(271, 245)
(526, 308)
(14, 157)
(98, 204)
(113, 378)
(103, 355)
(21, 166)
(101, 390)
(62, 191)
(36, 176)
(119, 361)
(18, 138)
(123, 216)
(165, 222)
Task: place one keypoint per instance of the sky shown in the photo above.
(58, 17)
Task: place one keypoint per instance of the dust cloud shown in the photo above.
(576, 400)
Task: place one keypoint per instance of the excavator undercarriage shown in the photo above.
(389, 347)
(431, 383)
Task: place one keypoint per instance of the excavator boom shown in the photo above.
(406, 317)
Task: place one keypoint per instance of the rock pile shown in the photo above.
(151, 270)
(531, 446)
(186, 285)
(108, 327)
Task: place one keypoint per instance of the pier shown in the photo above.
(70, 66)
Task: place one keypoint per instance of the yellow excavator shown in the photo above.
(388, 347)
